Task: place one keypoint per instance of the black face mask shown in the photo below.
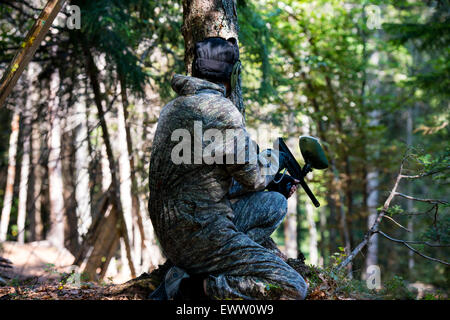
(215, 59)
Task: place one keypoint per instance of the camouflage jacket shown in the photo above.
(186, 197)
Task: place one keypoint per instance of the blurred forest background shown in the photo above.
(369, 78)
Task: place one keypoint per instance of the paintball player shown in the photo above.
(214, 220)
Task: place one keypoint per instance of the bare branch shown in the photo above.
(405, 243)
(417, 176)
(432, 201)
(398, 224)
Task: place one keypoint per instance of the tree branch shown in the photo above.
(376, 223)
(398, 224)
(432, 201)
(405, 243)
(417, 176)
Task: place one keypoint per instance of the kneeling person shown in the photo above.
(214, 233)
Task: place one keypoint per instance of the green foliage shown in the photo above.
(397, 289)
(394, 210)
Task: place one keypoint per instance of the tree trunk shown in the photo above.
(290, 222)
(106, 173)
(31, 100)
(24, 174)
(9, 189)
(290, 228)
(210, 18)
(372, 205)
(72, 238)
(409, 204)
(92, 72)
(324, 241)
(313, 251)
(125, 176)
(37, 228)
(55, 178)
(29, 47)
(101, 241)
(82, 159)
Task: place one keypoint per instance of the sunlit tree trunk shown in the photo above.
(290, 222)
(24, 174)
(9, 189)
(55, 178)
(313, 251)
(125, 178)
(310, 211)
(372, 177)
(31, 99)
(82, 160)
(324, 240)
(106, 173)
(372, 205)
(290, 228)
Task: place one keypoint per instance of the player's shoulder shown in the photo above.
(219, 108)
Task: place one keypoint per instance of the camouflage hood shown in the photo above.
(185, 86)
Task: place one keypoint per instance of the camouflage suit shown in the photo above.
(200, 229)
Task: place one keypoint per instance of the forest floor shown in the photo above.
(40, 272)
(55, 286)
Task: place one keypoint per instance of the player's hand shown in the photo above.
(287, 186)
(293, 188)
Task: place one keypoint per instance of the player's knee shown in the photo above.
(295, 287)
(278, 204)
(302, 288)
(298, 287)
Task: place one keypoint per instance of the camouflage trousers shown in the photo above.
(241, 268)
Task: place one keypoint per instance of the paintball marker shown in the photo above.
(314, 157)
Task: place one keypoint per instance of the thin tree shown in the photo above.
(290, 222)
(92, 72)
(55, 176)
(9, 190)
(24, 172)
(36, 225)
(82, 160)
